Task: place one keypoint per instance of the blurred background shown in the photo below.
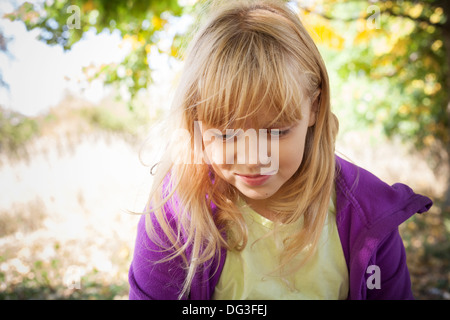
(83, 82)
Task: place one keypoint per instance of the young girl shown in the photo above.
(249, 200)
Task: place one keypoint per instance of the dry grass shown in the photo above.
(63, 214)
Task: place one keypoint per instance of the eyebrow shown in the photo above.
(274, 126)
(278, 125)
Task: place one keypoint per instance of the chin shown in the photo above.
(257, 195)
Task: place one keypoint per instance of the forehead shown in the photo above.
(265, 114)
(269, 119)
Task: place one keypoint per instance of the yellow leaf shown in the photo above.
(430, 63)
(400, 47)
(437, 45)
(174, 52)
(132, 39)
(148, 48)
(361, 24)
(141, 39)
(429, 140)
(431, 89)
(384, 60)
(417, 83)
(388, 4)
(158, 23)
(430, 77)
(437, 15)
(88, 6)
(416, 11)
(325, 35)
(404, 109)
(362, 37)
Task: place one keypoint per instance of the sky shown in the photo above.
(39, 75)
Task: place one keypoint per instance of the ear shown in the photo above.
(314, 109)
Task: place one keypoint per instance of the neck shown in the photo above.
(262, 207)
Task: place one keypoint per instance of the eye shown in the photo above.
(228, 136)
(278, 132)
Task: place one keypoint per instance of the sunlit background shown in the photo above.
(74, 123)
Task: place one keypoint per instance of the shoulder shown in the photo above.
(369, 212)
(372, 198)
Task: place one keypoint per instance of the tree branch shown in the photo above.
(406, 16)
(388, 11)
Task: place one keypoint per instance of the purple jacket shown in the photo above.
(368, 215)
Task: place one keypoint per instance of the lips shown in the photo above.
(254, 180)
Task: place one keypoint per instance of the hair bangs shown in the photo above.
(249, 77)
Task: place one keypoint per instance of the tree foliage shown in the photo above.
(138, 22)
(405, 42)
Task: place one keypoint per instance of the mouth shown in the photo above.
(254, 179)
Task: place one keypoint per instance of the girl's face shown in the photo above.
(257, 180)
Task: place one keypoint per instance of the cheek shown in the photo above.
(291, 153)
(291, 158)
(216, 153)
(215, 156)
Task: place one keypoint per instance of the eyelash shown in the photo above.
(281, 133)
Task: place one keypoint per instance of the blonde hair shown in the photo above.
(248, 57)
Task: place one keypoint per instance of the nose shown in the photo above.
(246, 148)
(253, 149)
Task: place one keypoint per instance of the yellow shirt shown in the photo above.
(249, 274)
